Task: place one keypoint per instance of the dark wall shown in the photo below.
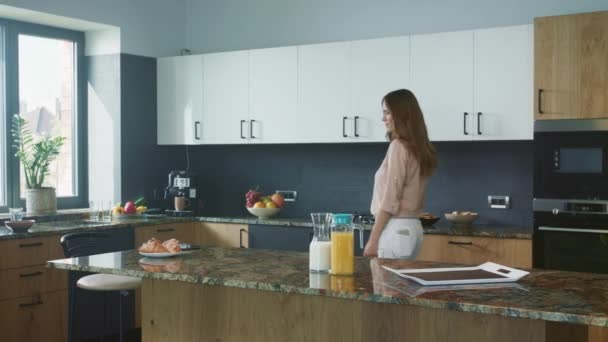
(145, 165)
(332, 177)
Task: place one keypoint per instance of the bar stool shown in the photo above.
(89, 243)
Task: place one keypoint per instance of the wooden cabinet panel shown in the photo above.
(476, 250)
(31, 281)
(222, 234)
(570, 66)
(25, 252)
(42, 318)
(180, 231)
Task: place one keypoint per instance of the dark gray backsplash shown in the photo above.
(339, 177)
(332, 177)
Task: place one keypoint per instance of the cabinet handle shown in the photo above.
(27, 245)
(165, 230)
(356, 128)
(540, 106)
(27, 305)
(242, 122)
(196, 126)
(465, 123)
(33, 274)
(479, 123)
(344, 126)
(468, 243)
(251, 129)
(241, 231)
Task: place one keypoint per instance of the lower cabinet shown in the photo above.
(33, 298)
(38, 318)
(476, 250)
(280, 237)
(221, 234)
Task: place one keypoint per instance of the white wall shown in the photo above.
(214, 25)
(147, 27)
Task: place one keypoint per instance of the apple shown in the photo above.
(130, 208)
(271, 205)
(259, 205)
(278, 199)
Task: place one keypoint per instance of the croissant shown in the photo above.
(153, 246)
(172, 246)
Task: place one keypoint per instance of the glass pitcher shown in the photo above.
(320, 257)
(343, 244)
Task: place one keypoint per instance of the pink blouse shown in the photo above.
(398, 187)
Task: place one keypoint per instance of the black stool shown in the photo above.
(84, 244)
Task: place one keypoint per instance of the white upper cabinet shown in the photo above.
(503, 95)
(471, 85)
(179, 100)
(226, 98)
(273, 95)
(378, 66)
(323, 104)
(442, 80)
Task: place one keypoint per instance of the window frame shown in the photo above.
(12, 30)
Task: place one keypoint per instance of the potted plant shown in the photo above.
(36, 156)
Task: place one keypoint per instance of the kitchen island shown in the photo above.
(231, 294)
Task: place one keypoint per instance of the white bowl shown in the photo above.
(461, 219)
(264, 212)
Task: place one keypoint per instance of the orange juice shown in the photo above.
(343, 253)
(342, 283)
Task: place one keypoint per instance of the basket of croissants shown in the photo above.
(155, 247)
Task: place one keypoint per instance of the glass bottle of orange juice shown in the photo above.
(343, 244)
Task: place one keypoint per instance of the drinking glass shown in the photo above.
(106, 211)
(94, 215)
(16, 214)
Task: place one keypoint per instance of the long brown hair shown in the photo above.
(409, 126)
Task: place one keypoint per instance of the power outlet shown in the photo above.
(288, 195)
(499, 202)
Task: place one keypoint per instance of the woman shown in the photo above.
(400, 182)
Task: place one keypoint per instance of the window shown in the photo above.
(45, 84)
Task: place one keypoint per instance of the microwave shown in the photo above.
(571, 159)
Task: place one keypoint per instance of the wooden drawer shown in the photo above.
(41, 318)
(222, 234)
(29, 252)
(31, 281)
(181, 231)
(476, 250)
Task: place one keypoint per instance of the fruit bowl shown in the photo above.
(264, 213)
(461, 217)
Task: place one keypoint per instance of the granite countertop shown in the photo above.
(76, 221)
(73, 226)
(481, 230)
(547, 295)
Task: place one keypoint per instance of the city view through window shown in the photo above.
(47, 102)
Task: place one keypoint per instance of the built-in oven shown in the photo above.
(571, 235)
(571, 195)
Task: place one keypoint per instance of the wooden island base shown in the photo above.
(178, 311)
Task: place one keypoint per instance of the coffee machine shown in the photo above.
(183, 184)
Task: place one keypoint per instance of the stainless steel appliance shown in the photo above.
(571, 195)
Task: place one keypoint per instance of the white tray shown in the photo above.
(507, 274)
